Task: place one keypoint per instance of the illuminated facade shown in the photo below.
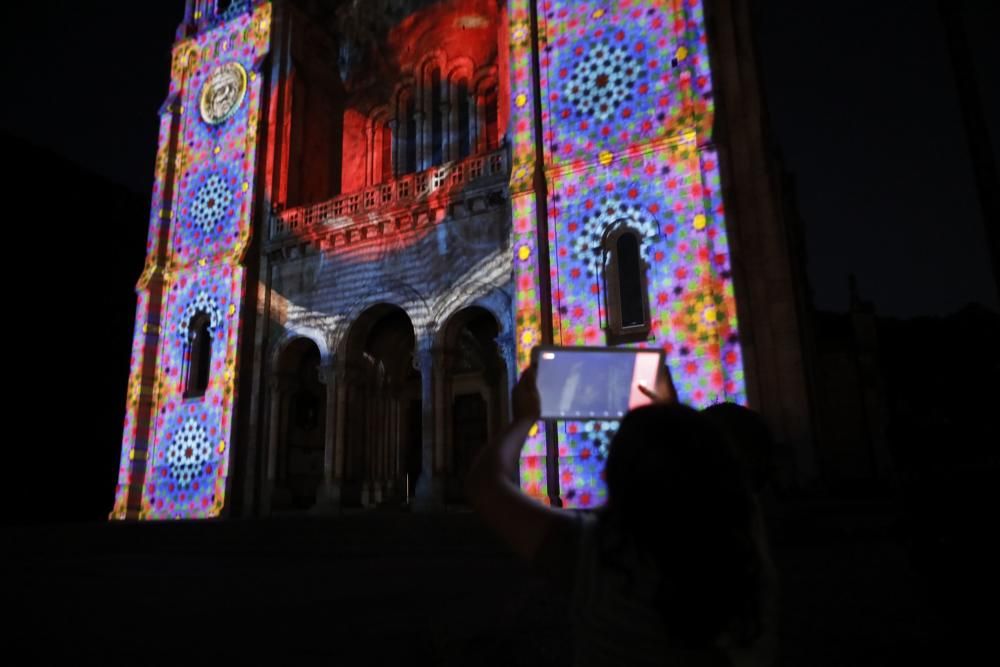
(365, 215)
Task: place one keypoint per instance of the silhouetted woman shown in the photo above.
(673, 570)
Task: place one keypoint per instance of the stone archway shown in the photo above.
(297, 463)
(474, 392)
(383, 409)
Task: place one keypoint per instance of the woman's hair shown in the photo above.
(750, 438)
(676, 491)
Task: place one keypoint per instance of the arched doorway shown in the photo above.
(475, 392)
(382, 425)
(298, 469)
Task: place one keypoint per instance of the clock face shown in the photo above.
(223, 93)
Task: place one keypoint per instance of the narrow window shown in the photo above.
(625, 287)
(437, 121)
(630, 290)
(491, 118)
(199, 356)
(462, 99)
(386, 149)
(410, 152)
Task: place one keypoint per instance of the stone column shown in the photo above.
(394, 151)
(473, 122)
(279, 388)
(481, 127)
(394, 442)
(443, 446)
(445, 111)
(369, 154)
(508, 354)
(328, 497)
(427, 494)
(420, 119)
(369, 474)
(379, 426)
(451, 127)
(340, 426)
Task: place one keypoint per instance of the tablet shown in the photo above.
(580, 383)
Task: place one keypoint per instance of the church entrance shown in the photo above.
(383, 410)
(475, 391)
(302, 415)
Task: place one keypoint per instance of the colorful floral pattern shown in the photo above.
(626, 115)
(175, 450)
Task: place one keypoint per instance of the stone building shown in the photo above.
(366, 214)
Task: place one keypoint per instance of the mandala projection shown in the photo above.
(188, 453)
(602, 81)
(211, 204)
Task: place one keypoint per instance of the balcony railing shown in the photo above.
(340, 211)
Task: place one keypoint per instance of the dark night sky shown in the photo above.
(864, 105)
(861, 96)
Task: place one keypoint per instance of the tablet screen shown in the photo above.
(589, 383)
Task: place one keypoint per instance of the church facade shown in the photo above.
(365, 215)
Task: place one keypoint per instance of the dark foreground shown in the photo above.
(391, 588)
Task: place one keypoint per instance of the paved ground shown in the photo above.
(382, 588)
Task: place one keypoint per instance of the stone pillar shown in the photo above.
(473, 122)
(445, 111)
(420, 120)
(379, 441)
(339, 423)
(508, 354)
(328, 497)
(399, 150)
(481, 128)
(386, 444)
(279, 388)
(370, 155)
(394, 442)
(394, 130)
(367, 494)
(443, 447)
(451, 126)
(428, 492)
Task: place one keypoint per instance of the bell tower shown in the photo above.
(628, 122)
(192, 294)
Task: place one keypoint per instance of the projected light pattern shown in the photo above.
(182, 462)
(527, 304)
(626, 115)
(616, 131)
(182, 482)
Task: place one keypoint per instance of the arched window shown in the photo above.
(437, 120)
(199, 356)
(408, 149)
(379, 159)
(462, 100)
(630, 287)
(385, 174)
(490, 114)
(625, 286)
